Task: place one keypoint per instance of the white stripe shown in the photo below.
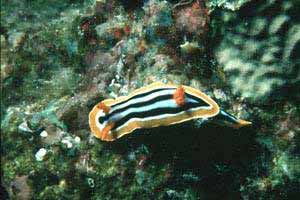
(163, 116)
(227, 115)
(169, 103)
(100, 113)
(142, 99)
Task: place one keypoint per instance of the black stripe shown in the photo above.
(154, 100)
(141, 104)
(154, 112)
(143, 95)
(200, 101)
(136, 105)
(225, 116)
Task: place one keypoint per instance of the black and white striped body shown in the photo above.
(147, 107)
(154, 104)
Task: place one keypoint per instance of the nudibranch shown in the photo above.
(157, 104)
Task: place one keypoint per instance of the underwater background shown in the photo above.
(60, 58)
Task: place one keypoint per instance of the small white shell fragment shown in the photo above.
(68, 143)
(77, 139)
(44, 134)
(24, 127)
(39, 156)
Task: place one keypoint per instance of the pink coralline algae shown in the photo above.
(192, 19)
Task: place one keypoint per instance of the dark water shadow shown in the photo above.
(213, 158)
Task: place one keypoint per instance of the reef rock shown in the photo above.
(192, 19)
(21, 188)
(260, 50)
(15, 39)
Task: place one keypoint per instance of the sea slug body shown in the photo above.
(157, 104)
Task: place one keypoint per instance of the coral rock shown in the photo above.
(15, 39)
(257, 68)
(21, 188)
(192, 19)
